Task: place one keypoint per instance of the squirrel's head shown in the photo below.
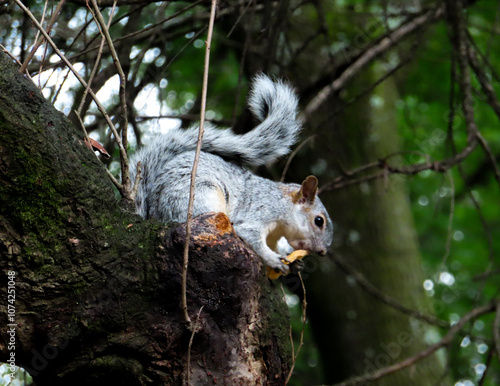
(314, 230)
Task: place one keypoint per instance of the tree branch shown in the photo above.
(41, 39)
(101, 108)
(446, 341)
(126, 184)
(372, 290)
(369, 55)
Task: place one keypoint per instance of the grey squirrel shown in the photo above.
(262, 211)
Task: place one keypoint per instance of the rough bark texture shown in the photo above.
(98, 288)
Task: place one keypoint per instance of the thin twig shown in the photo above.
(461, 51)
(487, 364)
(6, 51)
(451, 119)
(196, 160)
(60, 84)
(375, 292)
(96, 64)
(110, 175)
(290, 329)
(134, 34)
(241, 67)
(450, 218)
(77, 75)
(148, 31)
(446, 341)
(138, 178)
(40, 39)
(496, 329)
(485, 275)
(123, 99)
(42, 20)
(369, 55)
(304, 319)
(240, 16)
(489, 153)
(292, 156)
(87, 138)
(438, 166)
(190, 344)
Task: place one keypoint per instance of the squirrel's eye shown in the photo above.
(319, 221)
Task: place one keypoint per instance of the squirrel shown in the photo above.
(261, 211)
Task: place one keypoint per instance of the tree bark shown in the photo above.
(98, 288)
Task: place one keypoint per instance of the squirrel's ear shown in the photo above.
(307, 191)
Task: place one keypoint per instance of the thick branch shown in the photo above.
(98, 288)
(369, 55)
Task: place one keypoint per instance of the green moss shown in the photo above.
(35, 202)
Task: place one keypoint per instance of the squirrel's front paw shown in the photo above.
(282, 266)
(278, 268)
(291, 263)
(297, 266)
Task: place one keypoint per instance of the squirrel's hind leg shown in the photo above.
(209, 197)
(174, 204)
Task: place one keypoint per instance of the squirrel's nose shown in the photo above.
(322, 252)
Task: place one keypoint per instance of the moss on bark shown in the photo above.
(97, 287)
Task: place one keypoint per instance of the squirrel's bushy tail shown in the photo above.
(275, 106)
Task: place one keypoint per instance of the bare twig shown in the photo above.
(110, 175)
(41, 39)
(496, 329)
(489, 153)
(143, 31)
(294, 153)
(196, 160)
(304, 319)
(438, 166)
(451, 118)
(369, 55)
(42, 20)
(96, 65)
(486, 86)
(487, 363)
(195, 328)
(83, 128)
(450, 218)
(375, 292)
(486, 275)
(6, 51)
(126, 188)
(459, 40)
(137, 180)
(492, 100)
(150, 30)
(80, 79)
(343, 181)
(446, 341)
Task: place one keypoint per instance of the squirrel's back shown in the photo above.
(274, 104)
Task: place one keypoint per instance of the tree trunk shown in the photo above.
(374, 233)
(98, 289)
